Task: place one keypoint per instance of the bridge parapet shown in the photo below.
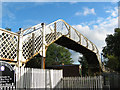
(8, 45)
(65, 29)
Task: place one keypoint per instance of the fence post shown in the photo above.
(52, 79)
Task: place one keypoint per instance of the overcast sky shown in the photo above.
(93, 19)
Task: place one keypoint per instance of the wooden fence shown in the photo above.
(48, 78)
(38, 78)
(92, 83)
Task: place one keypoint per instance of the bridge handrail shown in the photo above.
(75, 31)
(31, 30)
(8, 31)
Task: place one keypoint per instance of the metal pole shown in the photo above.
(43, 47)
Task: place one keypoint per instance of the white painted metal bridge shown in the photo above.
(20, 47)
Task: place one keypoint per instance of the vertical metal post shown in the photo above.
(43, 47)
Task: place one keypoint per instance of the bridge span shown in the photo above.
(18, 48)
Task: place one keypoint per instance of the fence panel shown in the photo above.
(92, 83)
(38, 78)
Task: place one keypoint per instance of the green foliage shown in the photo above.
(113, 62)
(57, 55)
(35, 62)
(84, 63)
(112, 50)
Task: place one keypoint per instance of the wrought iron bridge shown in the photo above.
(18, 48)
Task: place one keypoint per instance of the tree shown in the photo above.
(112, 50)
(89, 67)
(55, 55)
(84, 63)
(35, 62)
(112, 62)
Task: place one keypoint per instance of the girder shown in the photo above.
(36, 39)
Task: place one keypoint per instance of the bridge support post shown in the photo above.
(19, 56)
(20, 40)
(43, 47)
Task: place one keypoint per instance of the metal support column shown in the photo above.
(43, 47)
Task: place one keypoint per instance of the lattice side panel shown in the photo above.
(74, 36)
(51, 37)
(37, 43)
(8, 46)
(62, 28)
(32, 43)
(58, 34)
(90, 46)
(27, 48)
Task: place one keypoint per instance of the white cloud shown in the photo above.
(75, 56)
(86, 11)
(114, 1)
(99, 32)
(100, 28)
(7, 12)
(89, 11)
(113, 12)
(73, 2)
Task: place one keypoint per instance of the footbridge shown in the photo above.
(18, 48)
